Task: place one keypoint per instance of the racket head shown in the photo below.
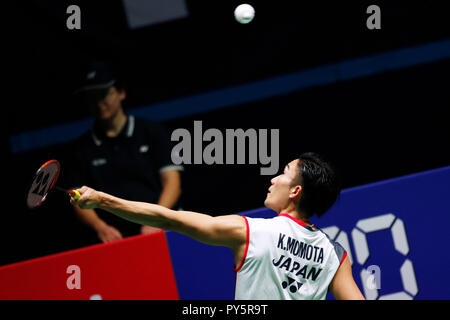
(44, 180)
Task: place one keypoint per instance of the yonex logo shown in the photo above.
(98, 162)
(290, 283)
(41, 184)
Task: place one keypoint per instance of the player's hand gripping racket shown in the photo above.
(44, 181)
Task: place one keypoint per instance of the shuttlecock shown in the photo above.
(244, 13)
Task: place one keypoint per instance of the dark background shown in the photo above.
(373, 128)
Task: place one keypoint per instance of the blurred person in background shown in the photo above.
(124, 155)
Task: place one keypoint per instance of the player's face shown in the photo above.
(281, 186)
(106, 103)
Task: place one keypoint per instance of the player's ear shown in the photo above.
(122, 94)
(295, 192)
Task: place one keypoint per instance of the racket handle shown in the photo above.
(74, 194)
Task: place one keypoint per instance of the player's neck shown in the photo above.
(297, 214)
(112, 127)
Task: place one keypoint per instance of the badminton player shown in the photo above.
(284, 257)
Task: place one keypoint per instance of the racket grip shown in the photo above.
(74, 194)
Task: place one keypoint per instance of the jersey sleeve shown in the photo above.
(340, 251)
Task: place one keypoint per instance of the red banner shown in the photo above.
(133, 268)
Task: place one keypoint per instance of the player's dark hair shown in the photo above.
(120, 85)
(320, 184)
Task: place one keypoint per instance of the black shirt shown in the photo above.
(127, 166)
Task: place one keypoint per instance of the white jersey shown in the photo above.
(286, 259)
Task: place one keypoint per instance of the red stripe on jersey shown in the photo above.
(246, 246)
(343, 258)
(303, 224)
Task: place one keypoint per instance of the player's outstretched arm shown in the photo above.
(229, 231)
(343, 286)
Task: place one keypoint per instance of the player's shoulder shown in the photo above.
(337, 247)
(267, 224)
